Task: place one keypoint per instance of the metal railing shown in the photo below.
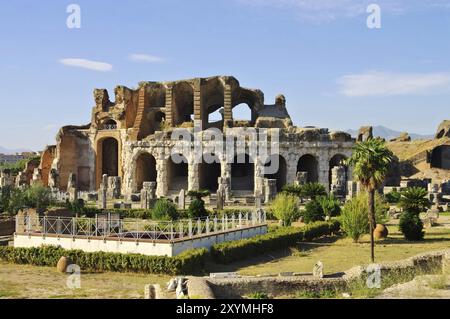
(136, 229)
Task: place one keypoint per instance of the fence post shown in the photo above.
(240, 220)
(45, 225)
(74, 225)
(207, 225)
(199, 227)
(215, 224)
(171, 231)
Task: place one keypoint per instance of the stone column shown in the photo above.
(259, 177)
(162, 186)
(169, 116)
(227, 105)
(324, 171)
(193, 177)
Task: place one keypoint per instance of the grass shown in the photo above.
(338, 254)
(24, 281)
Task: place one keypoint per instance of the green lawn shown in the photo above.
(24, 281)
(339, 254)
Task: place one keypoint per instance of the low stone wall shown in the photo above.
(132, 246)
(226, 288)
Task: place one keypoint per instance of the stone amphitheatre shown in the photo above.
(128, 158)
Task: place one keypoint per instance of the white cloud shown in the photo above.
(87, 64)
(145, 58)
(329, 10)
(389, 84)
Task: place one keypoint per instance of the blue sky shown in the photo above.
(334, 71)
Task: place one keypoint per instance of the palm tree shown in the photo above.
(370, 161)
(414, 200)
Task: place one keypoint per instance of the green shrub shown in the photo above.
(393, 197)
(295, 190)
(164, 210)
(284, 207)
(414, 200)
(331, 206)
(313, 190)
(313, 212)
(188, 262)
(197, 209)
(411, 226)
(279, 238)
(354, 218)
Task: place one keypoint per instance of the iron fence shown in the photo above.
(111, 226)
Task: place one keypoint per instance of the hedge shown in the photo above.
(188, 262)
(279, 238)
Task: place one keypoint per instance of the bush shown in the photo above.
(188, 262)
(414, 200)
(197, 209)
(284, 207)
(294, 190)
(279, 238)
(313, 190)
(38, 196)
(411, 226)
(393, 197)
(331, 206)
(355, 215)
(164, 210)
(354, 218)
(313, 212)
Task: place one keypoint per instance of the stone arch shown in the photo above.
(177, 174)
(182, 103)
(145, 169)
(281, 172)
(309, 163)
(440, 157)
(209, 173)
(243, 174)
(109, 124)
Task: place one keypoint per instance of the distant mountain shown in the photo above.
(389, 134)
(9, 151)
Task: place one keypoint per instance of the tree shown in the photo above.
(331, 206)
(313, 212)
(414, 200)
(370, 161)
(284, 207)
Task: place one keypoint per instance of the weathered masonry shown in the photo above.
(131, 138)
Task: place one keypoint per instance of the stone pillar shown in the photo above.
(227, 106)
(259, 177)
(162, 186)
(270, 189)
(225, 187)
(301, 178)
(338, 181)
(53, 179)
(169, 115)
(182, 199)
(148, 195)
(198, 101)
(72, 187)
(193, 176)
(103, 193)
(114, 187)
(324, 171)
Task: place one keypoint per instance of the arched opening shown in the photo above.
(440, 157)
(215, 118)
(182, 104)
(178, 174)
(209, 174)
(242, 114)
(145, 170)
(308, 163)
(110, 125)
(242, 174)
(272, 170)
(110, 157)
